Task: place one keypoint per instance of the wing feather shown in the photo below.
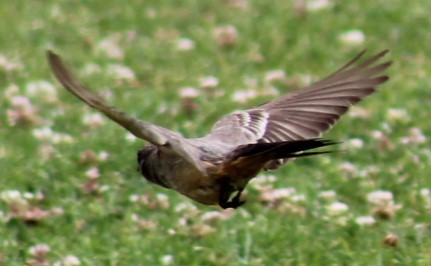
(154, 134)
(308, 112)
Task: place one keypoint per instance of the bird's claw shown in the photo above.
(225, 192)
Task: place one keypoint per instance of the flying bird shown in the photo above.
(215, 169)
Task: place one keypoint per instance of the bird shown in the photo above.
(216, 168)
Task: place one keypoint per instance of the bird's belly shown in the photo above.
(203, 189)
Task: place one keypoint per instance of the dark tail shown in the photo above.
(264, 152)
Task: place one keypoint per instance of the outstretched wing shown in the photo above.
(154, 134)
(308, 112)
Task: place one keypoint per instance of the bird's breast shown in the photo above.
(204, 188)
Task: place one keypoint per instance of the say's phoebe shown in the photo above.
(216, 168)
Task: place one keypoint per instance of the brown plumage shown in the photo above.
(210, 169)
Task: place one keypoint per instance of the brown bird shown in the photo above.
(216, 168)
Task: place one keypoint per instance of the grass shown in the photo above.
(126, 221)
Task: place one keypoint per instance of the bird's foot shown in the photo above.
(231, 204)
(226, 191)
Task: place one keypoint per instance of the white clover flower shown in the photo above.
(92, 173)
(305, 79)
(151, 13)
(348, 167)
(182, 221)
(134, 197)
(298, 197)
(275, 75)
(20, 101)
(56, 12)
(268, 178)
(277, 194)
(134, 217)
(213, 216)
(10, 91)
(352, 37)
(356, 111)
(380, 197)
(121, 72)
(337, 208)
(21, 111)
(57, 211)
(328, 195)
(355, 143)
(69, 260)
(397, 115)
(39, 250)
(42, 89)
(46, 151)
(103, 155)
(185, 207)
(61, 138)
(263, 182)
(316, 5)
(377, 134)
(242, 96)
(184, 44)
(271, 91)
(189, 92)
(208, 82)
(162, 197)
(130, 137)
(167, 259)
(240, 4)
(425, 192)
(93, 120)
(48, 135)
(11, 196)
(28, 195)
(365, 220)
(163, 200)
(416, 136)
(91, 69)
(38, 195)
(110, 47)
(9, 65)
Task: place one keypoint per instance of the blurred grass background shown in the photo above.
(72, 185)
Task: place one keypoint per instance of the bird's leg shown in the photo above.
(226, 190)
(224, 198)
(237, 199)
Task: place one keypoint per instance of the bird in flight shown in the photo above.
(215, 169)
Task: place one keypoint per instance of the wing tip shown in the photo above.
(326, 142)
(374, 58)
(385, 51)
(51, 56)
(55, 63)
(381, 53)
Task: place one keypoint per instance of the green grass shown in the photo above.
(102, 229)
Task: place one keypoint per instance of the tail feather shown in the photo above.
(248, 160)
(279, 150)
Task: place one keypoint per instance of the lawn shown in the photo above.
(69, 190)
